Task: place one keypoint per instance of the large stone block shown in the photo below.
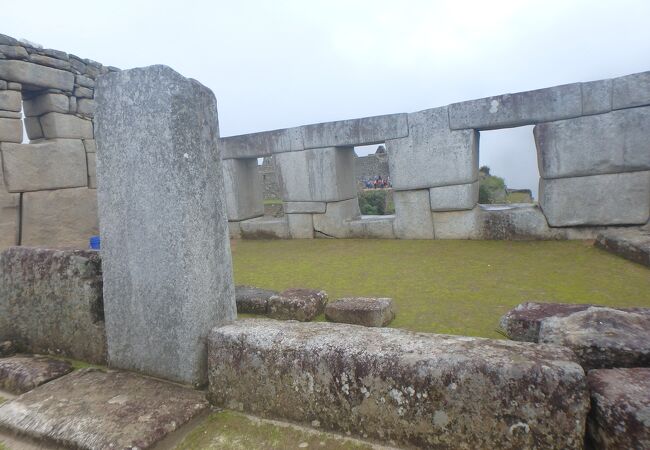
(61, 218)
(417, 389)
(166, 252)
(596, 97)
(9, 216)
(50, 164)
(57, 125)
(413, 215)
(631, 90)
(630, 244)
(91, 159)
(521, 108)
(36, 75)
(11, 130)
(23, 373)
(365, 131)
(366, 311)
(51, 302)
(432, 155)
(373, 227)
(265, 143)
(243, 184)
(457, 224)
(46, 103)
(454, 197)
(10, 100)
(524, 221)
(304, 207)
(301, 226)
(591, 145)
(297, 304)
(265, 228)
(613, 199)
(33, 128)
(336, 220)
(317, 175)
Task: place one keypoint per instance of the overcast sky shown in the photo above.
(276, 64)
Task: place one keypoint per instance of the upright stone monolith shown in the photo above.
(166, 255)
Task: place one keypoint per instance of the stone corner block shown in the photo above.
(631, 90)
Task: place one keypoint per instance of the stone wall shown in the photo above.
(47, 186)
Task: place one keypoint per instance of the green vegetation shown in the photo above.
(516, 197)
(230, 430)
(272, 201)
(492, 189)
(76, 364)
(457, 287)
(376, 202)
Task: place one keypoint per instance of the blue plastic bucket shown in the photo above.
(95, 242)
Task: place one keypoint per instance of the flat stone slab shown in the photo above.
(620, 411)
(297, 304)
(630, 244)
(366, 311)
(252, 300)
(22, 373)
(92, 409)
(417, 389)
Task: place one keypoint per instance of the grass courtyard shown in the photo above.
(456, 287)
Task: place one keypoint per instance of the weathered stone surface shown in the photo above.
(14, 86)
(36, 75)
(612, 199)
(51, 302)
(11, 130)
(457, 224)
(86, 107)
(372, 227)
(630, 244)
(92, 409)
(336, 220)
(22, 373)
(301, 226)
(417, 389)
(413, 215)
(57, 125)
(61, 218)
(9, 216)
(631, 90)
(10, 115)
(517, 221)
(521, 108)
(46, 103)
(10, 101)
(13, 52)
(243, 186)
(317, 175)
(365, 131)
(454, 197)
(432, 155)
(591, 145)
(50, 62)
(84, 81)
(304, 207)
(366, 311)
(50, 164)
(33, 128)
(602, 337)
(620, 400)
(83, 92)
(297, 304)
(234, 230)
(257, 145)
(90, 145)
(7, 348)
(91, 159)
(596, 97)
(154, 156)
(265, 228)
(252, 300)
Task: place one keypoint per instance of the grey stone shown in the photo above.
(72, 102)
(7, 348)
(84, 81)
(83, 92)
(304, 207)
(50, 164)
(457, 224)
(243, 185)
(630, 244)
(316, 175)
(413, 215)
(257, 145)
(14, 86)
(521, 108)
(592, 145)
(93, 409)
(10, 115)
(58, 54)
(36, 75)
(454, 197)
(91, 159)
(13, 52)
(417, 389)
(46, 103)
(50, 62)
(631, 90)
(154, 156)
(62, 218)
(366, 311)
(3, 85)
(11, 130)
(86, 107)
(33, 128)
(22, 373)
(365, 131)
(513, 222)
(601, 337)
(10, 101)
(620, 400)
(57, 125)
(8, 40)
(301, 226)
(234, 230)
(77, 64)
(9, 215)
(372, 227)
(265, 228)
(596, 97)
(336, 220)
(297, 304)
(432, 155)
(252, 300)
(51, 302)
(613, 199)
(90, 145)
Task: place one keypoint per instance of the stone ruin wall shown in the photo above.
(47, 186)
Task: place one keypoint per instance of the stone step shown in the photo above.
(630, 244)
(22, 373)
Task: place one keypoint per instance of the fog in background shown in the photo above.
(276, 64)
